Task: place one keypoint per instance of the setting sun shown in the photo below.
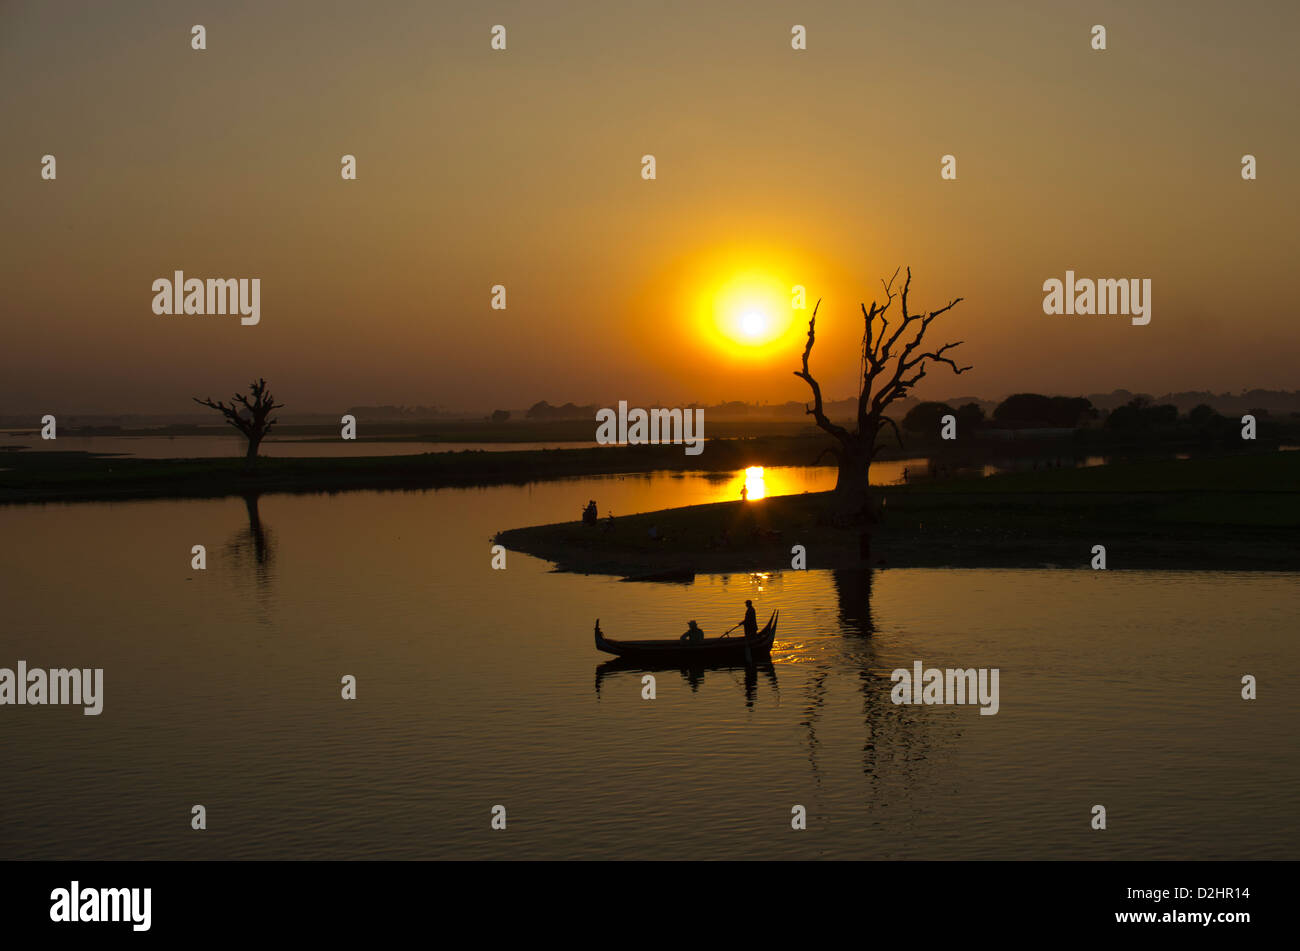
(749, 312)
(754, 324)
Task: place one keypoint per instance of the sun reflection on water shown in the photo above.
(758, 482)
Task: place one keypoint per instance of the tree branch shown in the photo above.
(817, 411)
(897, 434)
(831, 449)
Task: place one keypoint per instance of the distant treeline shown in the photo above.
(1023, 412)
(730, 410)
(1140, 416)
(1021, 409)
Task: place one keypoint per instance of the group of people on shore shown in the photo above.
(591, 516)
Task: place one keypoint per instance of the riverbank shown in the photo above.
(1233, 513)
(28, 476)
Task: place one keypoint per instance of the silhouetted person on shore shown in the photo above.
(693, 633)
(590, 514)
(744, 493)
(751, 620)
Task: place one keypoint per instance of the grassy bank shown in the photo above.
(80, 476)
(1227, 513)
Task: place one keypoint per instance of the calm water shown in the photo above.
(478, 687)
(883, 472)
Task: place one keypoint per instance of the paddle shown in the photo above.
(733, 628)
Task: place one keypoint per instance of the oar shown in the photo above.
(733, 628)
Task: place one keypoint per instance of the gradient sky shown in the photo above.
(522, 167)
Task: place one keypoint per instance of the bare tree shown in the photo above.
(249, 414)
(893, 361)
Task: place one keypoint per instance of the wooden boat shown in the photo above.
(711, 650)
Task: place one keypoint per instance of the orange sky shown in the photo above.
(818, 167)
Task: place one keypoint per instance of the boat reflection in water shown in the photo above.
(694, 674)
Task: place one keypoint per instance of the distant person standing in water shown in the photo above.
(751, 620)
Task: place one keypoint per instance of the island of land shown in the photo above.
(1230, 513)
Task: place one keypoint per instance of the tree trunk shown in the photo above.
(250, 459)
(851, 489)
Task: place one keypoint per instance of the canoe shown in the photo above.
(733, 649)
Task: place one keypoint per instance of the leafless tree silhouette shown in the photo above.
(249, 414)
(893, 361)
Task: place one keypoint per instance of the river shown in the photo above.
(479, 687)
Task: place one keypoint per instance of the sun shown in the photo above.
(753, 324)
(748, 313)
(746, 301)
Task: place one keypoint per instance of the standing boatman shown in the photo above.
(751, 620)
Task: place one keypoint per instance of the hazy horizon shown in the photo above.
(836, 406)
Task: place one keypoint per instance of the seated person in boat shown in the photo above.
(693, 633)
